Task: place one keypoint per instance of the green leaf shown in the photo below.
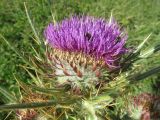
(141, 45)
(28, 105)
(102, 98)
(89, 108)
(145, 74)
(150, 52)
(45, 90)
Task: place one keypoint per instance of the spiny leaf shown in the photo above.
(28, 105)
(45, 90)
(150, 52)
(89, 108)
(116, 84)
(141, 45)
(102, 98)
(145, 74)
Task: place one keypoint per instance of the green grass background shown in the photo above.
(138, 17)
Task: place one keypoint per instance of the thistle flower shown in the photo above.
(145, 107)
(83, 46)
(97, 38)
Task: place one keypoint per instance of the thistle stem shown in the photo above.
(27, 105)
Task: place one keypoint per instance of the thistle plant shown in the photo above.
(144, 107)
(84, 49)
(77, 72)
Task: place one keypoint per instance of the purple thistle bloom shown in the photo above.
(88, 35)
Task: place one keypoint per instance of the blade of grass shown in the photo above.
(53, 18)
(8, 115)
(19, 87)
(7, 94)
(18, 53)
(37, 55)
(36, 80)
(15, 50)
(29, 19)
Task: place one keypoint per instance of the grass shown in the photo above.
(139, 18)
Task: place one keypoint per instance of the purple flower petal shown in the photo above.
(91, 36)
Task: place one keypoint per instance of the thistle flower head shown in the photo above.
(146, 105)
(102, 40)
(82, 47)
